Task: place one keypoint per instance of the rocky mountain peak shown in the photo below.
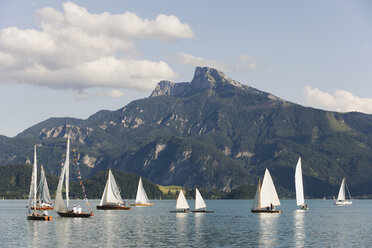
(204, 78)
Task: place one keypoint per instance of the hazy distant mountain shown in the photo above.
(212, 132)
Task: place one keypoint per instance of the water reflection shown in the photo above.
(299, 227)
(268, 223)
(63, 231)
(182, 227)
(199, 224)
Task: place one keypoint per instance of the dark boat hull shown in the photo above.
(40, 217)
(203, 211)
(266, 211)
(113, 207)
(180, 211)
(75, 215)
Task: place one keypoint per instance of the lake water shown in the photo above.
(232, 225)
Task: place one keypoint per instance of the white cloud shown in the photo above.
(78, 49)
(341, 101)
(243, 62)
(114, 93)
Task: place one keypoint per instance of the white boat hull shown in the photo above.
(343, 202)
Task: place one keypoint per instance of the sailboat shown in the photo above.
(111, 198)
(181, 206)
(300, 186)
(59, 205)
(32, 196)
(200, 206)
(266, 197)
(141, 197)
(44, 201)
(341, 200)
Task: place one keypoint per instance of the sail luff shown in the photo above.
(35, 176)
(181, 201)
(268, 193)
(299, 184)
(341, 193)
(199, 201)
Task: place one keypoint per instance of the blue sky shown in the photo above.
(60, 59)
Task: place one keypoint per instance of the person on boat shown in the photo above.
(45, 213)
(304, 206)
(74, 209)
(272, 206)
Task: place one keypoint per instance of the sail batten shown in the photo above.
(181, 201)
(299, 184)
(141, 197)
(199, 201)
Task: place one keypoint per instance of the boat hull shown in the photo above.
(113, 207)
(75, 215)
(202, 211)
(266, 211)
(40, 217)
(180, 211)
(141, 204)
(341, 203)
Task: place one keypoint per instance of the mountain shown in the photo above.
(215, 133)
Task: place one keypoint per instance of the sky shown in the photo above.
(74, 58)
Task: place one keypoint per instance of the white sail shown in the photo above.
(141, 197)
(181, 201)
(268, 193)
(341, 193)
(67, 171)
(199, 201)
(256, 201)
(299, 184)
(59, 205)
(33, 186)
(44, 194)
(111, 194)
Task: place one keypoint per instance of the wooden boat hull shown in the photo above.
(202, 211)
(266, 211)
(40, 217)
(141, 204)
(113, 207)
(75, 215)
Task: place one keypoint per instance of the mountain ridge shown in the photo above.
(216, 133)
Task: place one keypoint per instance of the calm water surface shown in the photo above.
(232, 225)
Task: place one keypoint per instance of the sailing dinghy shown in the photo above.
(200, 206)
(341, 200)
(266, 197)
(300, 186)
(35, 215)
(59, 205)
(141, 197)
(111, 198)
(181, 206)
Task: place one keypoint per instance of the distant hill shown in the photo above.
(212, 132)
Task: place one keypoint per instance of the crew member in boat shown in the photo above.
(74, 209)
(304, 206)
(45, 213)
(78, 209)
(272, 207)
